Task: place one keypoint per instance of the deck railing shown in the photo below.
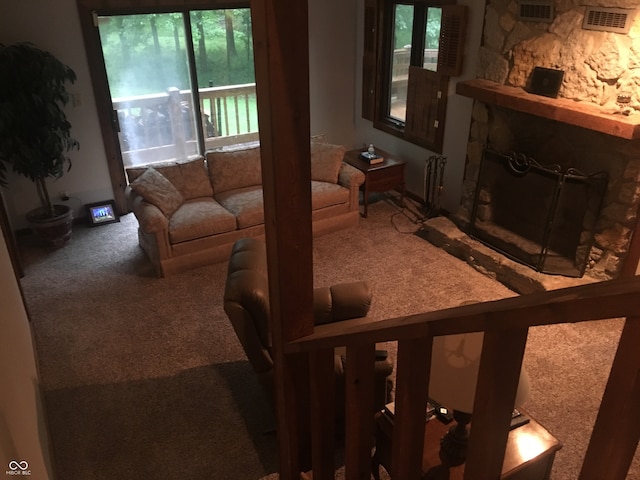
(160, 126)
(505, 324)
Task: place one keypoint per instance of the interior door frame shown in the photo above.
(88, 10)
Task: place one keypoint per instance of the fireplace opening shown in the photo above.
(538, 215)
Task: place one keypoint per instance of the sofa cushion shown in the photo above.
(156, 189)
(190, 178)
(326, 160)
(246, 204)
(324, 194)
(229, 170)
(199, 218)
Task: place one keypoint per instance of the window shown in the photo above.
(411, 49)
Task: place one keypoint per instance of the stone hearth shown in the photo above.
(443, 233)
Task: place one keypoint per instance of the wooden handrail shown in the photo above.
(609, 299)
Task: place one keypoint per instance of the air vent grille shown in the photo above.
(606, 19)
(536, 11)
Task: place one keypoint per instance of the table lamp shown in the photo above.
(455, 363)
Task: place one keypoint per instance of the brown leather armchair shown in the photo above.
(246, 302)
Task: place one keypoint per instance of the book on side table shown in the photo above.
(371, 158)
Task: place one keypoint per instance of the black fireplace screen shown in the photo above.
(537, 215)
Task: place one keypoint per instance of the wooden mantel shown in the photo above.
(581, 114)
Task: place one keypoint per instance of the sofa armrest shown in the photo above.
(150, 218)
(341, 302)
(350, 176)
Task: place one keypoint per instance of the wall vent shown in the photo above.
(615, 20)
(536, 11)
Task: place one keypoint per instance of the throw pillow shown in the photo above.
(156, 189)
(189, 177)
(326, 160)
(234, 169)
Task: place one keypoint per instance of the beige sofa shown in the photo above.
(190, 213)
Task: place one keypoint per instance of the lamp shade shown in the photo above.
(455, 363)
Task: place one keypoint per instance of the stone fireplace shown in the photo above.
(587, 129)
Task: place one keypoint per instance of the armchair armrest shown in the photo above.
(341, 302)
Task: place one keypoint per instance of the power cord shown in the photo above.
(414, 217)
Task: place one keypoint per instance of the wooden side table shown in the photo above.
(530, 453)
(380, 177)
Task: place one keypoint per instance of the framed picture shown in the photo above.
(101, 213)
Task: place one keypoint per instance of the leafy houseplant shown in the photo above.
(35, 134)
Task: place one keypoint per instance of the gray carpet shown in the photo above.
(144, 377)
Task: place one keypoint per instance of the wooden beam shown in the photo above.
(281, 50)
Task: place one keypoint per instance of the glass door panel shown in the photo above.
(223, 52)
(148, 72)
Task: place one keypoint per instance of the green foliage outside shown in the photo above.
(146, 54)
(404, 26)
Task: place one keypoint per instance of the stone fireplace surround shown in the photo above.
(583, 128)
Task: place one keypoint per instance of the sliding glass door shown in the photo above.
(179, 82)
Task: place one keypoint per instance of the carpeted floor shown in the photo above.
(144, 377)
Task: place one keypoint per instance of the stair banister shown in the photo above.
(505, 323)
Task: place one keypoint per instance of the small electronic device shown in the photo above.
(546, 81)
(441, 412)
(101, 213)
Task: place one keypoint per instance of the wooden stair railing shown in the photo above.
(505, 323)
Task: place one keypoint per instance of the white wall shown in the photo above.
(332, 37)
(54, 26)
(23, 435)
(457, 123)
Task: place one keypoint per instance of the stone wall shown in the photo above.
(598, 66)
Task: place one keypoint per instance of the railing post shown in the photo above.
(322, 379)
(498, 376)
(616, 431)
(412, 379)
(177, 122)
(612, 438)
(359, 411)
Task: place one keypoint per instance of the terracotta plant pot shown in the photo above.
(52, 231)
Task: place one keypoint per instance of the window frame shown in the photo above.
(426, 109)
